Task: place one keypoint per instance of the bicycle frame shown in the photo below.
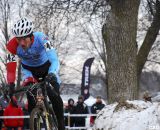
(41, 99)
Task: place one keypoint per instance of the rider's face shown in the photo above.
(24, 42)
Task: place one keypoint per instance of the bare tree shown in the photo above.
(5, 14)
(97, 46)
(51, 24)
(124, 63)
(120, 39)
(21, 9)
(5, 9)
(150, 37)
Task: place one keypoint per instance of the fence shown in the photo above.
(65, 114)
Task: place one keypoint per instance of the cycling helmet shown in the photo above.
(23, 27)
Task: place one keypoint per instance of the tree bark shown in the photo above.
(120, 38)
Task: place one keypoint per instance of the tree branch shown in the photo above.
(149, 39)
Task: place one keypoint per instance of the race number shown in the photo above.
(11, 58)
(48, 46)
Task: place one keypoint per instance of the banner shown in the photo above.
(85, 85)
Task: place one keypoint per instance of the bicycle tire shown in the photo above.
(41, 121)
(53, 119)
(35, 122)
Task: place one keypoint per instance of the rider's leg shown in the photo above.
(57, 104)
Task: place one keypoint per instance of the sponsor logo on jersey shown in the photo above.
(45, 38)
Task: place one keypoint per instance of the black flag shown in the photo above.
(86, 78)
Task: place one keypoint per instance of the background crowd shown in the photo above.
(72, 107)
(81, 108)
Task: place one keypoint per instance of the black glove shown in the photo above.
(51, 78)
(11, 89)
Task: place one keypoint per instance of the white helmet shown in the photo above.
(22, 27)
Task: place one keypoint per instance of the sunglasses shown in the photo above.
(22, 38)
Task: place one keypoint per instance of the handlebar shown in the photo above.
(28, 87)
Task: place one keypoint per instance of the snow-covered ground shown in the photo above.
(144, 116)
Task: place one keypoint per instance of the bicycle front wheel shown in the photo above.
(41, 120)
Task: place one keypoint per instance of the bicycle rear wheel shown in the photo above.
(41, 120)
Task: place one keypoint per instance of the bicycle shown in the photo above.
(42, 115)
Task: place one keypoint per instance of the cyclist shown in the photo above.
(38, 60)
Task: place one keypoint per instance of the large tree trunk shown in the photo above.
(120, 38)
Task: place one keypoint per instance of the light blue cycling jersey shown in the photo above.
(40, 52)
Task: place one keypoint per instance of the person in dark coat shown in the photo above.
(80, 108)
(69, 109)
(96, 107)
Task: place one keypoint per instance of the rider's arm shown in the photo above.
(11, 60)
(11, 68)
(53, 58)
(51, 53)
(11, 64)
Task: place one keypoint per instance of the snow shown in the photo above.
(91, 100)
(145, 116)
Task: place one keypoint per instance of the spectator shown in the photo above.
(1, 114)
(96, 107)
(13, 110)
(69, 109)
(80, 108)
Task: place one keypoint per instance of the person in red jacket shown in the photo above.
(13, 110)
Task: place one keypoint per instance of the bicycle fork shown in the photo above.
(47, 120)
(40, 102)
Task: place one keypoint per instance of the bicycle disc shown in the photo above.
(41, 120)
(37, 121)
